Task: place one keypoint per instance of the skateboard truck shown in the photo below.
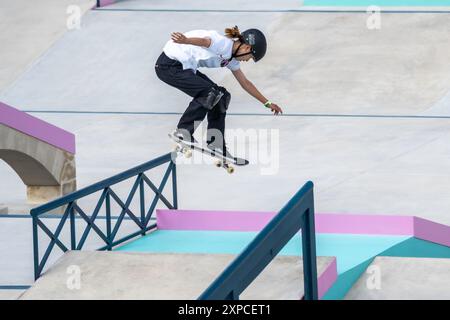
(183, 150)
(226, 166)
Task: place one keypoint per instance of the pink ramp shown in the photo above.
(431, 231)
(364, 224)
(327, 279)
(212, 220)
(255, 221)
(36, 128)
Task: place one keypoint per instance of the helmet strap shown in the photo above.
(234, 55)
(242, 54)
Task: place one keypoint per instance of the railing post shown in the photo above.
(108, 219)
(73, 239)
(142, 202)
(35, 248)
(174, 185)
(309, 255)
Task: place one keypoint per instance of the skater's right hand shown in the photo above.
(275, 109)
(178, 37)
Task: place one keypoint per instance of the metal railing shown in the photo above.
(297, 214)
(73, 211)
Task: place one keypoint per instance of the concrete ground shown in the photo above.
(28, 29)
(10, 294)
(394, 278)
(366, 111)
(114, 275)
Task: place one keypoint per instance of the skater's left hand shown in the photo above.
(275, 109)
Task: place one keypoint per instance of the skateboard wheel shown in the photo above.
(187, 153)
(218, 163)
(230, 170)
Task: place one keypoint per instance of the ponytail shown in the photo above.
(233, 33)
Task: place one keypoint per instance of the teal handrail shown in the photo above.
(107, 195)
(297, 214)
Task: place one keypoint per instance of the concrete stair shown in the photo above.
(126, 275)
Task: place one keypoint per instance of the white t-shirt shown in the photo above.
(193, 57)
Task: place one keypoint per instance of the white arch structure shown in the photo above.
(42, 154)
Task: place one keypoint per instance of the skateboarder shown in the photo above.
(178, 64)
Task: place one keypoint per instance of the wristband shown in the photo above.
(267, 104)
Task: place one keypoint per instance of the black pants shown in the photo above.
(197, 85)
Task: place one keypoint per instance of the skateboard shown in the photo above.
(221, 160)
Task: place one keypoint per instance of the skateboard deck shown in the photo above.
(223, 161)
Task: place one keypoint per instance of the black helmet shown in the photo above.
(257, 40)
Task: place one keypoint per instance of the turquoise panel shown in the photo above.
(412, 247)
(350, 250)
(417, 248)
(345, 281)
